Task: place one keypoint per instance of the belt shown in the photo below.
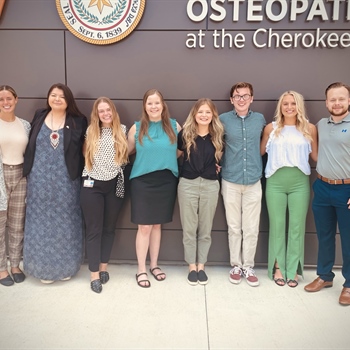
(17, 166)
(334, 182)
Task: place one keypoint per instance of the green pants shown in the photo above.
(198, 199)
(288, 188)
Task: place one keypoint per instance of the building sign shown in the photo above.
(272, 11)
(100, 22)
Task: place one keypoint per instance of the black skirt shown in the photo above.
(153, 198)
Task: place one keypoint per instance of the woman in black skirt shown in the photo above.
(153, 180)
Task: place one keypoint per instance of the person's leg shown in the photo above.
(188, 198)
(16, 215)
(298, 205)
(142, 244)
(112, 207)
(251, 208)
(209, 194)
(340, 196)
(326, 224)
(232, 196)
(276, 201)
(154, 245)
(92, 204)
(3, 257)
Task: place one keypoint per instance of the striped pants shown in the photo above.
(13, 217)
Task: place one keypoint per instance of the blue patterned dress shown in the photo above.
(53, 239)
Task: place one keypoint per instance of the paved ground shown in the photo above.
(172, 314)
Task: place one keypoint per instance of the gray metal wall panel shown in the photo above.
(160, 59)
(35, 60)
(30, 14)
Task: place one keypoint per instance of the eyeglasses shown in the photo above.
(245, 97)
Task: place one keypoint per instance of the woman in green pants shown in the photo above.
(288, 141)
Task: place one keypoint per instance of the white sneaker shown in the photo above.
(250, 277)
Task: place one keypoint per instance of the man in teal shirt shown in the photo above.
(241, 188)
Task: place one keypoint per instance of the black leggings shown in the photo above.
(100, 208)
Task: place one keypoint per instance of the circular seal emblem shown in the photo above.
(100, 22)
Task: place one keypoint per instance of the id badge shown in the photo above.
(89, 183)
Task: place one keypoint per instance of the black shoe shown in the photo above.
(192, 278)
(18, 277)
(104, 277)
(96, 286)
(7, 281)
(202, 277)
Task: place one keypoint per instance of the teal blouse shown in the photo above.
(157, 152)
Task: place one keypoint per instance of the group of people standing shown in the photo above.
(75, 175)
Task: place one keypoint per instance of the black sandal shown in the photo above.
(148, 283)
(158, 276)
(279, 281)
(292, 283)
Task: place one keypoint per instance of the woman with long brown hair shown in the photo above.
(153, 180)
(14, 133)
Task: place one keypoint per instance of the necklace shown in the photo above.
(55, 136)
(204, 136)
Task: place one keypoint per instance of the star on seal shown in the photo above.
(100, 4)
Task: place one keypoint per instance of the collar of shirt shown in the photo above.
(346, 119)
(246, 116)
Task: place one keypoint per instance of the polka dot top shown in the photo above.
(104, 167)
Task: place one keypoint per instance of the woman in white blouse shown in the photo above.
(102, 193)
(288, 141)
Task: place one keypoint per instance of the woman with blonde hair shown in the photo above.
(201, 142)
(288, 141)
(102, 192)
(153, 180)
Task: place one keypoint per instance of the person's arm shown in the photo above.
(179, 151)
(265, 138)
(84, 148)
(178, 127)
(314, 142)
(131, 140)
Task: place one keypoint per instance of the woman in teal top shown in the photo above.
(153, 180)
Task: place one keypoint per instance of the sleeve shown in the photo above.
(180, 145)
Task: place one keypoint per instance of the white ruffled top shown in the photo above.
(289, 149)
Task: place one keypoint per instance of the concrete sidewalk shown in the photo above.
(172, 314)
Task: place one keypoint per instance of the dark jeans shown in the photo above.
(330, 207)
(100, 208)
